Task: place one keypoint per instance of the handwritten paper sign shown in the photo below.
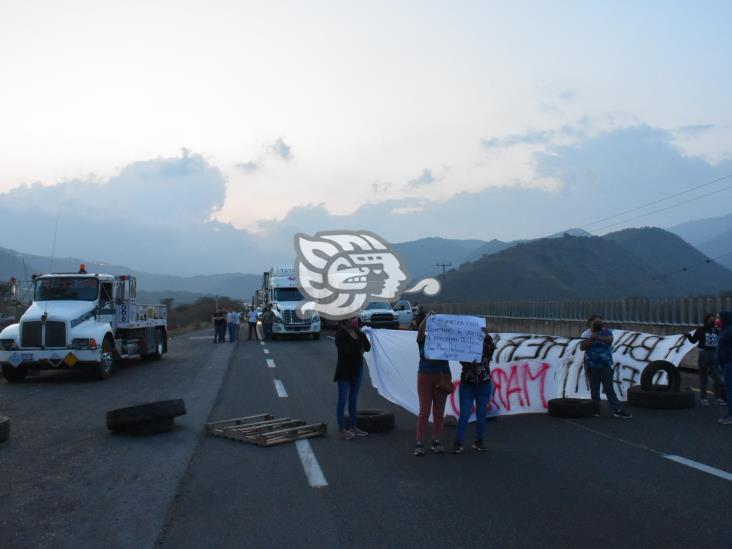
(454, 337)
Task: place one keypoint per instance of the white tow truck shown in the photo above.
(82, 320)
(281, 292)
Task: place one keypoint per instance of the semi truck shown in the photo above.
(82, 320)
(280, 291)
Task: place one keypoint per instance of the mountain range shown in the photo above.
(712, 236)
(572, 264)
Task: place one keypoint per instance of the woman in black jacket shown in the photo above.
(351, 343)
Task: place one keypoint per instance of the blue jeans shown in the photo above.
(347, 390)
(267, 331)
(233, 329)
(469, 393)
(708, 366)
(727, 368)
(604, 376)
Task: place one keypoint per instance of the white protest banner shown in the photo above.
(527, 370)
(454, 337)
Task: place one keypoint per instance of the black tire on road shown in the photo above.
(150, 427)
(660, 398)
(570, 407)
(160, 345)
(4, 428)
(14, 375)
(650, 371)
(373, 421)
(145, 413)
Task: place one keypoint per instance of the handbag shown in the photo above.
(445, 384)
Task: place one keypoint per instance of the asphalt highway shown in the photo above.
(544, 482)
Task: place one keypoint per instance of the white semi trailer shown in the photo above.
(82, 320)
(281, 292)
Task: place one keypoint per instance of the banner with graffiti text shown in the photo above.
(527, 370)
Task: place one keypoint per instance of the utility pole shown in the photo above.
(444, 269)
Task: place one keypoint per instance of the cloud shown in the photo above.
(695, 130)
(381, 186)
(568, 95)
(247, 166)
(425, 178)
(532, 137)
(282, 149)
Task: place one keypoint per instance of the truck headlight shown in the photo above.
(8, 344)
(315, 318)
(84, 343)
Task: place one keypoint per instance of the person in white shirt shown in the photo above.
(232, 319)
(252, 319)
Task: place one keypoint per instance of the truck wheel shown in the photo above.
(159, 346)
(660, 397)
(316, 336)
(105, 368)
(151, 427)
(4, 428)
(672, 375)
(570, 407)
(14, 375)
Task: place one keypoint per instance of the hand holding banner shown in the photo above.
(454, 337)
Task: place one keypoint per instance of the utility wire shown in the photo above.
(658, 201)
(682, 203)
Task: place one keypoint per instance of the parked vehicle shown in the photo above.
(379, 314)
(82, 320)
(405, 312)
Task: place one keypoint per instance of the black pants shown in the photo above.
(253, 328)
(603, 376)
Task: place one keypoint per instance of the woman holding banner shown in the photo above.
(351, 344)
(431, 397)
(475, 387)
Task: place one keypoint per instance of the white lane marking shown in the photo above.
(678, 459)
(201, 337)
(271, 364)
(700, 467)
(280, 388)
(266, 351)
(331, 337)
(313, 472)
(262, 343)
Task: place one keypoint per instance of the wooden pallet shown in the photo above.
(265, 430)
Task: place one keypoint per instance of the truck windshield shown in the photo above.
(72, 288)
(287, 294)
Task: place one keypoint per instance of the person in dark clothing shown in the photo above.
(219, 320)
(351, 344)
(475, 387)
(707, 337)
(419, 317)
(724, 357)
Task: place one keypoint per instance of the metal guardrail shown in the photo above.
(687, 311)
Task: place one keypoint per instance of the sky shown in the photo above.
(234, 124)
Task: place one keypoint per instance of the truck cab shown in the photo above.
(282, 293)
(82, 320)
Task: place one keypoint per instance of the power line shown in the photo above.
(682, 203)
(658, 201)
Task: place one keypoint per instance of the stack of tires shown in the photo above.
(654, 395)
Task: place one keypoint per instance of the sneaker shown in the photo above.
(437, 447)
(720, 402)
(359, 433)
(726, 420)
(622, 414)
(704, 402)
(457, 448)
(419, 449)
(478, 445)
(347, 435)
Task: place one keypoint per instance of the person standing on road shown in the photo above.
(707, 337)
(724, 357)
(232, 320)
(597, 344)
(219, 320)
(475, 387)
(267, 322)
(430, 395)
(351, 344)
(252, 320)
